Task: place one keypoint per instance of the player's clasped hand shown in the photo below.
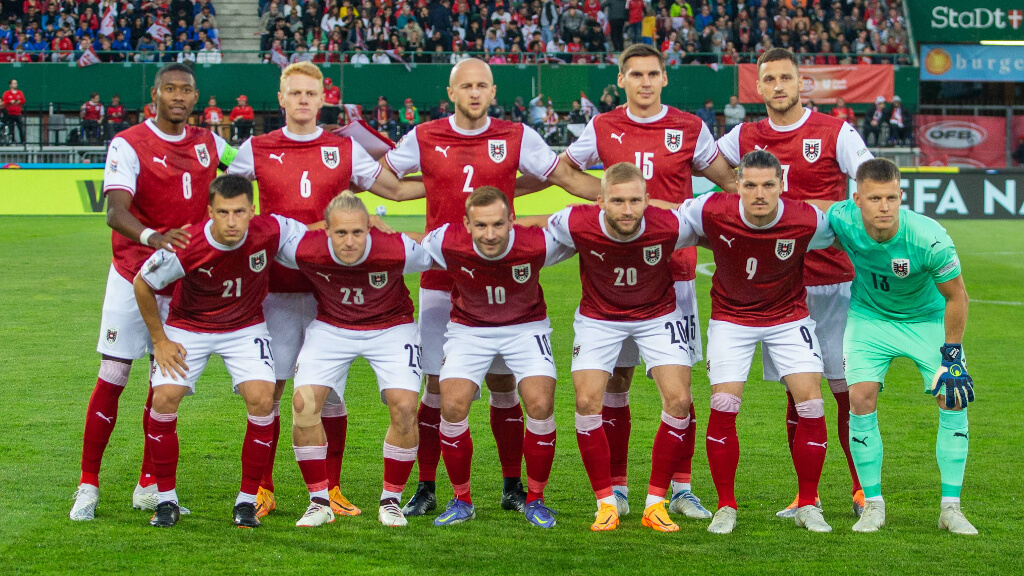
(170, 357)
(953, 376)
(378, 223)
(177, 237)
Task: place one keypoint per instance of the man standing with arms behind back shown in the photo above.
(13, 101)
(818, 153)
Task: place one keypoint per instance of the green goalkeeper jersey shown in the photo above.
(895, 280)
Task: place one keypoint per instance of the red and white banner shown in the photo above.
(965, 141)
(107, 24)
(277, 57)
(823, 84)
(88, 58)
(353, 112)
(158, 31)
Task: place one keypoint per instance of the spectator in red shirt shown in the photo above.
(242, 118)
(843, 112)
(332, 103)
(575, 47)
(636, 18)
(149, 111)
(116, 120)
(61, 47)
(591, 8)
(213, 118)
(13, 101)
(91, 114)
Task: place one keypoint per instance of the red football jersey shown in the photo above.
(624, 281)
(92, 111)
(169, 181)
(818, 154)
(455, 162)
(368, 295)
(298, 179)
(758, 270)
(115, 114)
(499, 292)
(222, 288)
(666, 148)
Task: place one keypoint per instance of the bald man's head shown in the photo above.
(471, 88)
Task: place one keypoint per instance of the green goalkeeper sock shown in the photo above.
(866, 448)
(951, 450)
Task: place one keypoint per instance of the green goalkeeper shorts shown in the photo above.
(870, 345)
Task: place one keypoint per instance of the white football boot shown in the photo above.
(391, 515)
(871, 518)
(316, 515)
(724, 522)
(952, 519)
(810, 517)
(86, 498)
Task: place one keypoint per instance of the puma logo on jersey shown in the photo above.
(821, 445)
(278, 157)
(154, 438)
(726, 240)
(161, 160)
(452, 444)
(719, 440)
(756, 147)
(680, 436)
(262, 443)
(442, 150)
(110, 419)
(601, 255)
(860, 440)
(207, 271)
(552, 443)
(326, 277)
(618, 137)
(934, 243)
(468, 271)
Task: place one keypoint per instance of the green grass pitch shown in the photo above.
(53, 275)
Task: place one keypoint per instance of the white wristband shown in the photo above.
(145, 236)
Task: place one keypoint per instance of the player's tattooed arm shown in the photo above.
(169, 356)
(723, 175)
(121, 220)
(955, 294)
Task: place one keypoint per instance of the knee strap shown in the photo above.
(310, 414)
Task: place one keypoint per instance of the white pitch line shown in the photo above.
(997, 302)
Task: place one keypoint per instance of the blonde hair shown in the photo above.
(620, 174)
(345, 202)
(301, 69)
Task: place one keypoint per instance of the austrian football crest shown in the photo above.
(652, 254)
(901, 267)
(111, 335)
(812, 149)
(521, 273)
(378, 279)
(258, 261)
(575, 351)
(203, 155)
(784, 248)
(673, 140)
(497, 150)
(330, 156)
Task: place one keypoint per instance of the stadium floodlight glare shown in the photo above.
(1002, 42)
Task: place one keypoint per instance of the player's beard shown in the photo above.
(469, 114)
(624, 232)
(785, 106)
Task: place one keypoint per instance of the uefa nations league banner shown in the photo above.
(965, 63)
(963, 194)
(823, 84)
(965, 141)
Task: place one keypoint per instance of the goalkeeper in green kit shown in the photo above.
(908, 299)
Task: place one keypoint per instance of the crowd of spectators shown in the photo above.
(116, 30)
(507, 32)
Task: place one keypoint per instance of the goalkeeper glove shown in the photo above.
(952, 378)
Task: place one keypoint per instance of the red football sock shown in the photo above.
(99, 425)
(723, 448)
(685, 465)
(809, 445)
(507, 427)
(256, 449)
(397, 467)
(312, 462)
(457, 451)
(792, 419)
(335, 420)
(147, 476)
(843, 418)
(429, 452)
(590, 435)
(617, 424)
(668, 449)
(162, 439)
(267, 483)
(539, 449)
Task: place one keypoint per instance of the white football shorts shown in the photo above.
(246, 354)
(327, 355)
(828, 306)
(686, 300)
(793, 347)
(435, 311)
(598, 342)
(525, 349)
(123, 333)
(288, 315)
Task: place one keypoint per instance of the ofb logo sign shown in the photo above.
(954, 134)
